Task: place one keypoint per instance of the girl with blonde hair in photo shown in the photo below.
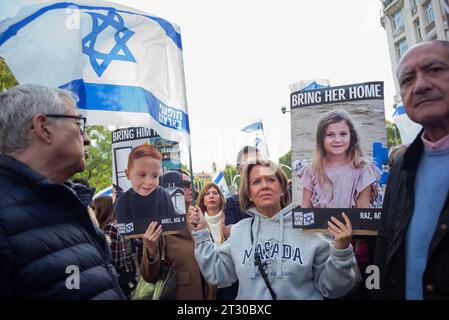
(339, 177)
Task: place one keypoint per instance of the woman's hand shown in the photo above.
(196, 219)
(151, 238)
(341, 232)
(227, 231)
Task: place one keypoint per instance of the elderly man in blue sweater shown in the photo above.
(413, 240)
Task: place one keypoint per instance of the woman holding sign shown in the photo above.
(269, 258)
(178, 249)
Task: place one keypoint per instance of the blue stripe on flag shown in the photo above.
(253, 127)
(313, 86)
(399, 110)
(218, 178)
(108, 97)
(13, 29)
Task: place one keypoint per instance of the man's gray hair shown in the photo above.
(20, 104)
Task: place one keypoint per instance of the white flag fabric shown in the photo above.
(219, 180)
(407, 128)
(104, 192)
(125, 65)
(255, 128)
(261, 144)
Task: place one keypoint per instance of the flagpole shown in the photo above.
(191, 175)
(191, 181)
(266, 145)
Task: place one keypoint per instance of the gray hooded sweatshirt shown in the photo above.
(300, 265)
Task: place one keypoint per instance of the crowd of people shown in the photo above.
(57, 242)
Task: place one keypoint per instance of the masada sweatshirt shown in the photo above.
(299, 265)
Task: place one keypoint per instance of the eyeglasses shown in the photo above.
(186, 184)
(81, 120)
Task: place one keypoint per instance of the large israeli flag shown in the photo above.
(125, 65)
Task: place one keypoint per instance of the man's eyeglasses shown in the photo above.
(81, 120)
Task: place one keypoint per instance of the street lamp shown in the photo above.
(284, 109)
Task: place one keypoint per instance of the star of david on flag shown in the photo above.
(309, 219)
(119, 52)
(125, 65)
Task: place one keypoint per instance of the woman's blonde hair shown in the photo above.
(354, 150)
(203, 194)
(244, 193)
(200, 203)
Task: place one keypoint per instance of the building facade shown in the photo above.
(408, 22)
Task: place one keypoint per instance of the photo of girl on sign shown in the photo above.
(145, 201)
(339, 176)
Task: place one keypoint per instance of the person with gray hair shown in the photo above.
(49, 247)
(413, 238)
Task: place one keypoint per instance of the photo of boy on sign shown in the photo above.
(145, 201)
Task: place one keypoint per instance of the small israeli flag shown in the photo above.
(309, 219)
(129, 227)
(303, 219)
(219, 180)
(255, 126)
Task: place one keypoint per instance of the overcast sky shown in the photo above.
(240, 56)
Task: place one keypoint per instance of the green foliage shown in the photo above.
(185, 168)
(393, 135)
(196, 181)
(229, 173)
(7, 79)
(286, 160)
(98, 171)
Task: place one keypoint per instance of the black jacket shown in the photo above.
(132, 209)
(397, 212)
(232, 211)
(46, 237)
